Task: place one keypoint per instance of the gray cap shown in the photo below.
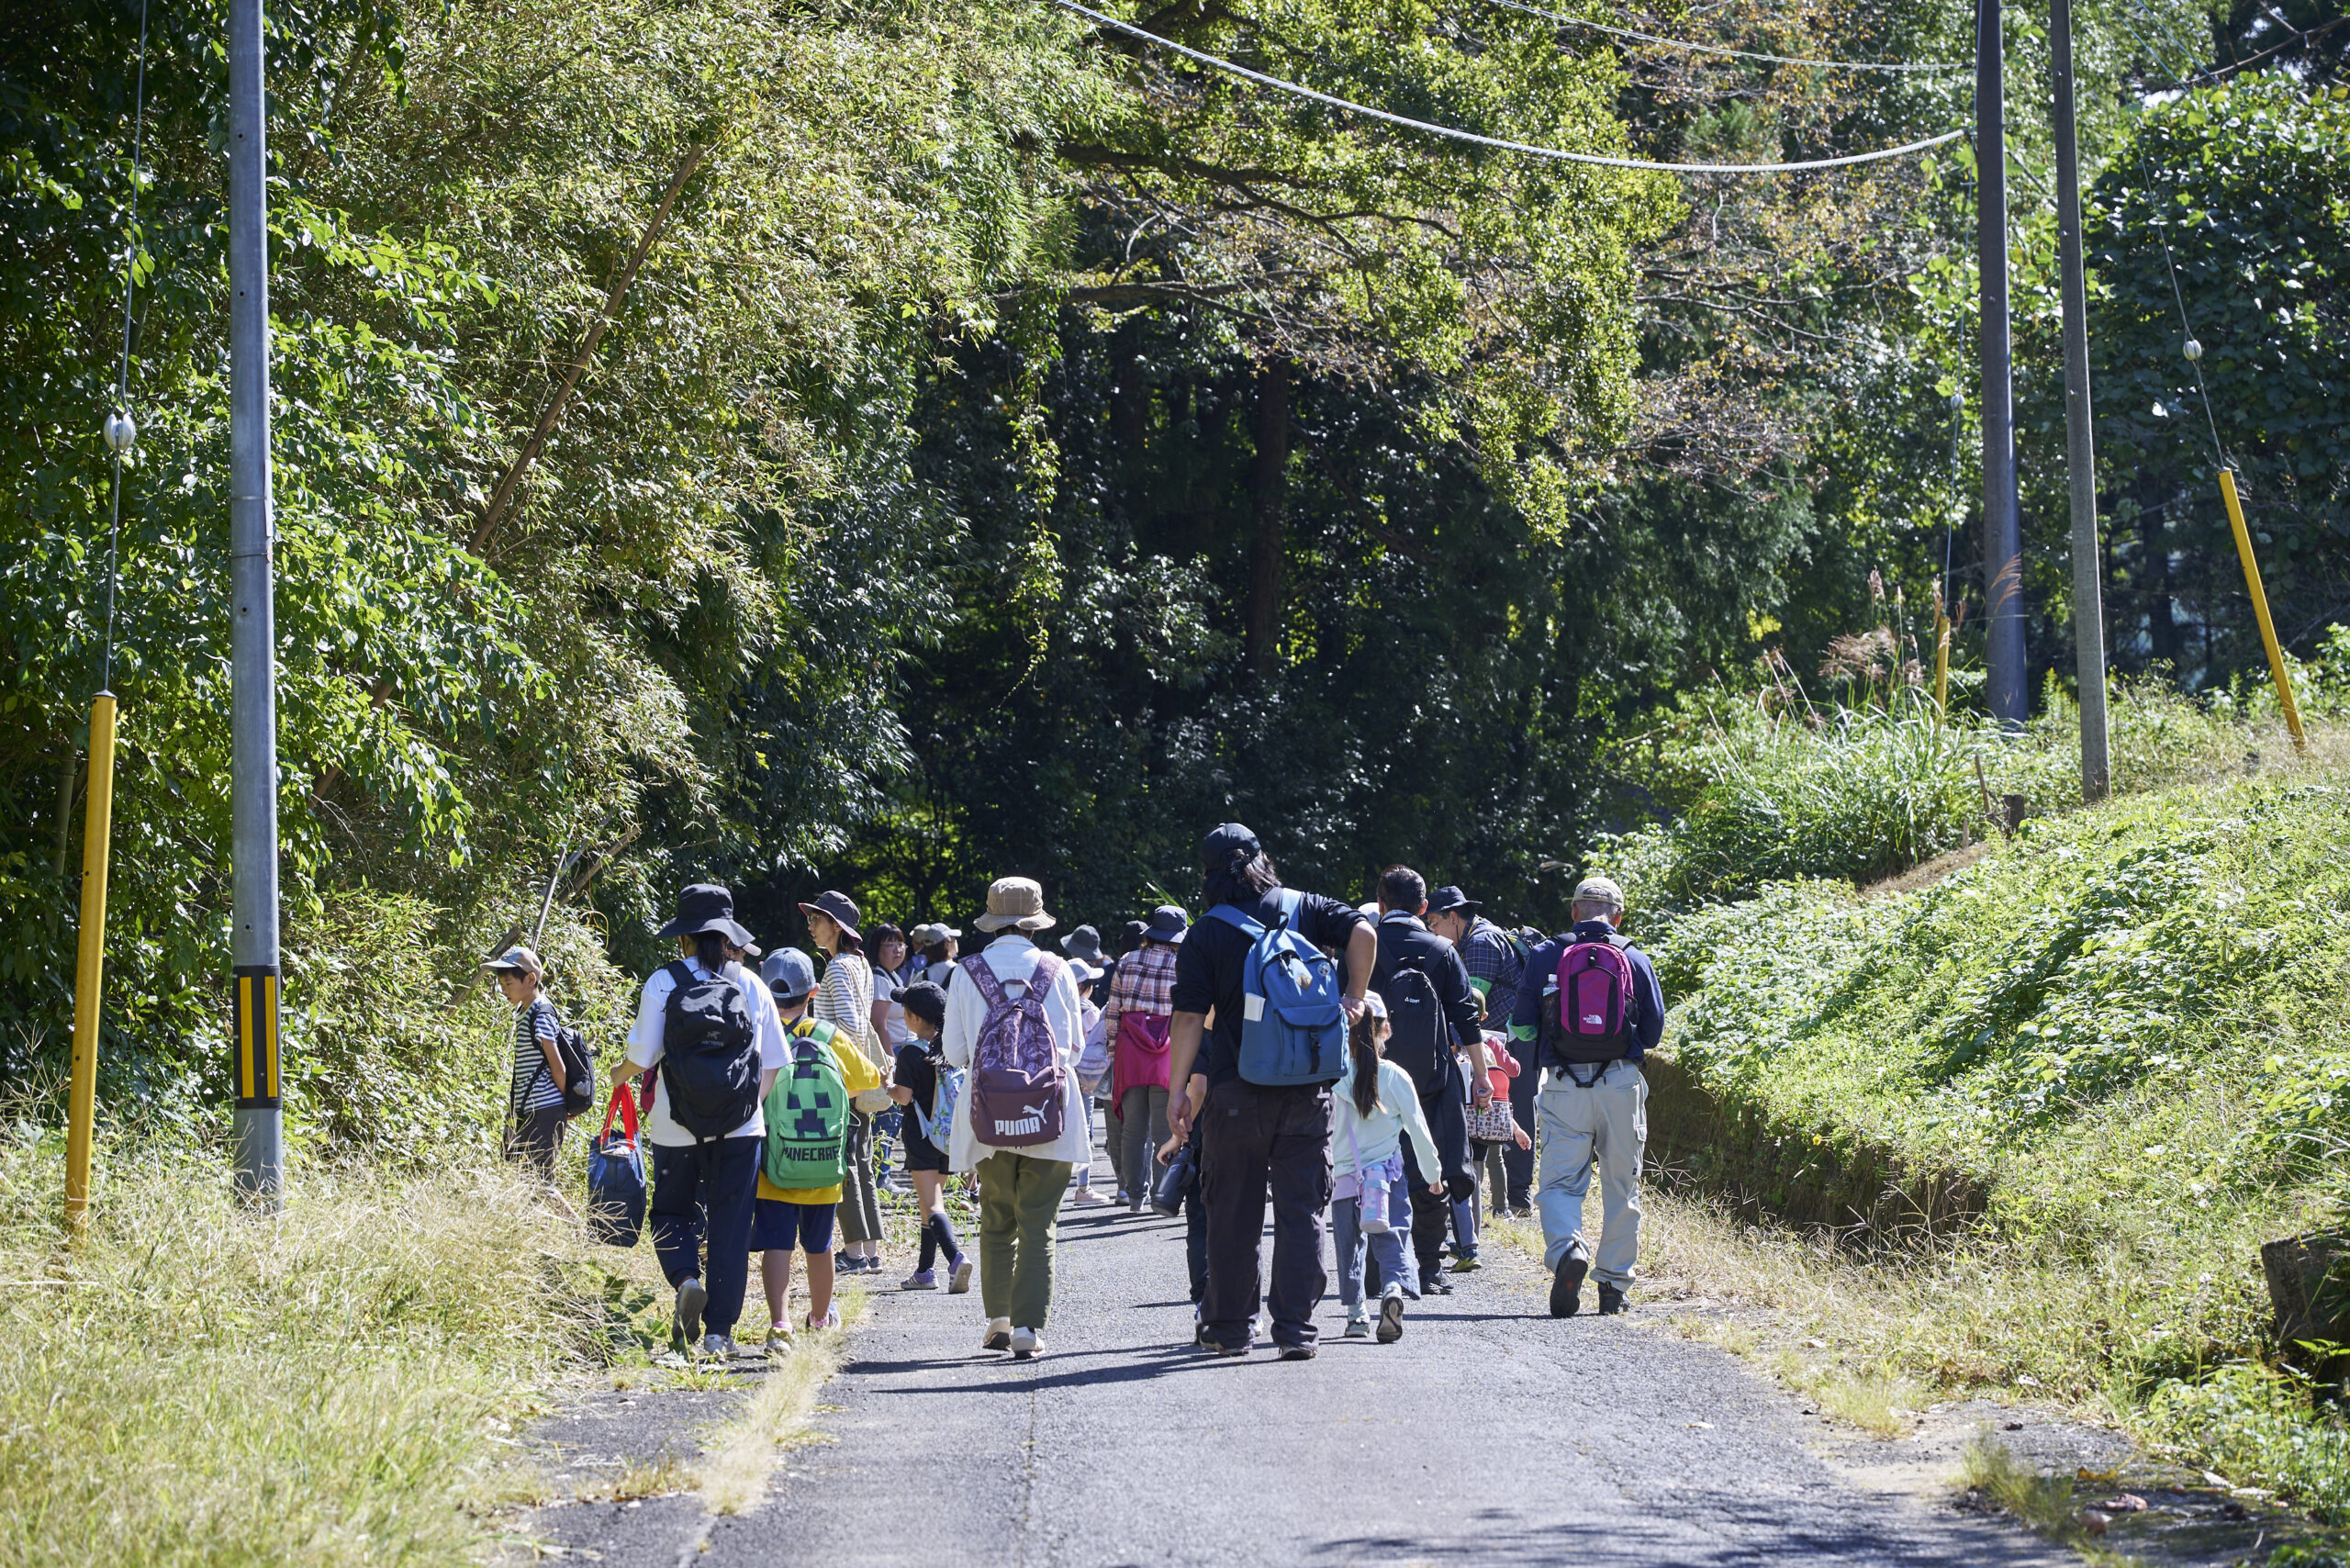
(790, 974)
(517, 960)
(1599, 890)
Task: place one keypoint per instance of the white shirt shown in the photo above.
(1014, 958)
(652, 1018)
(894, 1033)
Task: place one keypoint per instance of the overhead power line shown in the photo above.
(1455, 134)
(1928, 66)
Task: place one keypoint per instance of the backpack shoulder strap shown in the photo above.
(1293, 903)
(983, 975)
(1230, 915)
(1044, 977)
(680, 971)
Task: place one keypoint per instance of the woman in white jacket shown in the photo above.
(1375, 1108)
(1020, 1188)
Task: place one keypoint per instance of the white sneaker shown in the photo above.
(999, 1335)
(1026, 1342)
(1086, 1197)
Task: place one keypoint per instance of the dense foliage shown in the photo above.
(1018, 448)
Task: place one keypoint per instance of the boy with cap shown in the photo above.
(534, 1102)
(786, 1219)
(1595, 1101)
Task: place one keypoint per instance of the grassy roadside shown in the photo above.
(339, 1383)
(2124, 1032)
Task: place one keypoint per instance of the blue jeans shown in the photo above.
(1465, 1227)
(1352, 1242)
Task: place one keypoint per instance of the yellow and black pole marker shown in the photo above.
(2260, 609)
(254, 1068)
(89, 968)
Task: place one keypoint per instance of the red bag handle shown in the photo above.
(623, 1105)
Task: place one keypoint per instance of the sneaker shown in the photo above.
(718, 1347)
(1435, 1284)
(1134, 1207)
(691, 1299)
(1468, 1265)
(920, 1280)
(999, 1335)
(1611, 1301)
(1026, 1342)
(1521, 1213)
(1358, 1325)
(778, 1340)
(1086, 1197)
(1297, 1352)
(1391, 1316)
(960, 1282)
(832, 1319)
(1566, 1286)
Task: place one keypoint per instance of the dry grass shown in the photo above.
(734, 1477)
(338, 1383)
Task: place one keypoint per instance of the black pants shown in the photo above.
(1432, 1218)
(718, 1178)
(1519, 1162)
(533, 1136)
(1252, 1139)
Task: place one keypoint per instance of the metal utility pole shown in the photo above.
(2080, 438)
(253, 640)
(2002, 530)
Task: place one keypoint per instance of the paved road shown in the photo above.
(1488, 1434)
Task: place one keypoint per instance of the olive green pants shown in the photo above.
(1020, 1207)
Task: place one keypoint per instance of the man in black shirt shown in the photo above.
(1433, 1008)
(1251, 1134)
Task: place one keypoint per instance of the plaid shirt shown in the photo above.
(1495, 969)
(1145, 981)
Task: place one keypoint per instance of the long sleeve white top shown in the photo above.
(1013, 958)
(1357, 1141)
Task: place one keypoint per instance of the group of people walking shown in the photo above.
(1365, 1071)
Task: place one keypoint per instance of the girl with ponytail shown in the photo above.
(1375, 1109)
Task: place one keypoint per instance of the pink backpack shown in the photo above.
(1018, 1090)
(1596, 1003)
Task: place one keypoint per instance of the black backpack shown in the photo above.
(1421, 1043)
(710, 1054)
(579, 1068)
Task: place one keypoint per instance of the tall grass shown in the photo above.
(192, 1383)
(1759, 792)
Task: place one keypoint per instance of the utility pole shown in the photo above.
(253, 640)
(2002, 529)
(2080, 438)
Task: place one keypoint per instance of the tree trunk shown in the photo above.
(1271, 481)
(2162, 625)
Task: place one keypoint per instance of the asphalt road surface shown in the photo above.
(1490, 1433)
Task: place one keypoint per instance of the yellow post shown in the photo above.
(89, 969)
(2260, 609)
(1941, 667)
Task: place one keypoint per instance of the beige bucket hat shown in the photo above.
(1014, 903)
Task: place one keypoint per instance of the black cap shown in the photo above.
(1446, 898)
(1228, 848)
(706, 906)
(925, 1002)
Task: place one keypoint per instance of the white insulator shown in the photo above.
(121, 431)
(2193, 350)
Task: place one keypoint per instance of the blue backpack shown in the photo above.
(1292, 1028)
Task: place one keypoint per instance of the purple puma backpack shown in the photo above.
(1018, 1092)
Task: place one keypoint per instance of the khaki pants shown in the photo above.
(1020, 1205)
(1604, 1126)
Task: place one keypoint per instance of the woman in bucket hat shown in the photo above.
(705, 1177)
(1021, 1186)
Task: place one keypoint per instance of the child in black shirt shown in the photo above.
(915, 1084)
